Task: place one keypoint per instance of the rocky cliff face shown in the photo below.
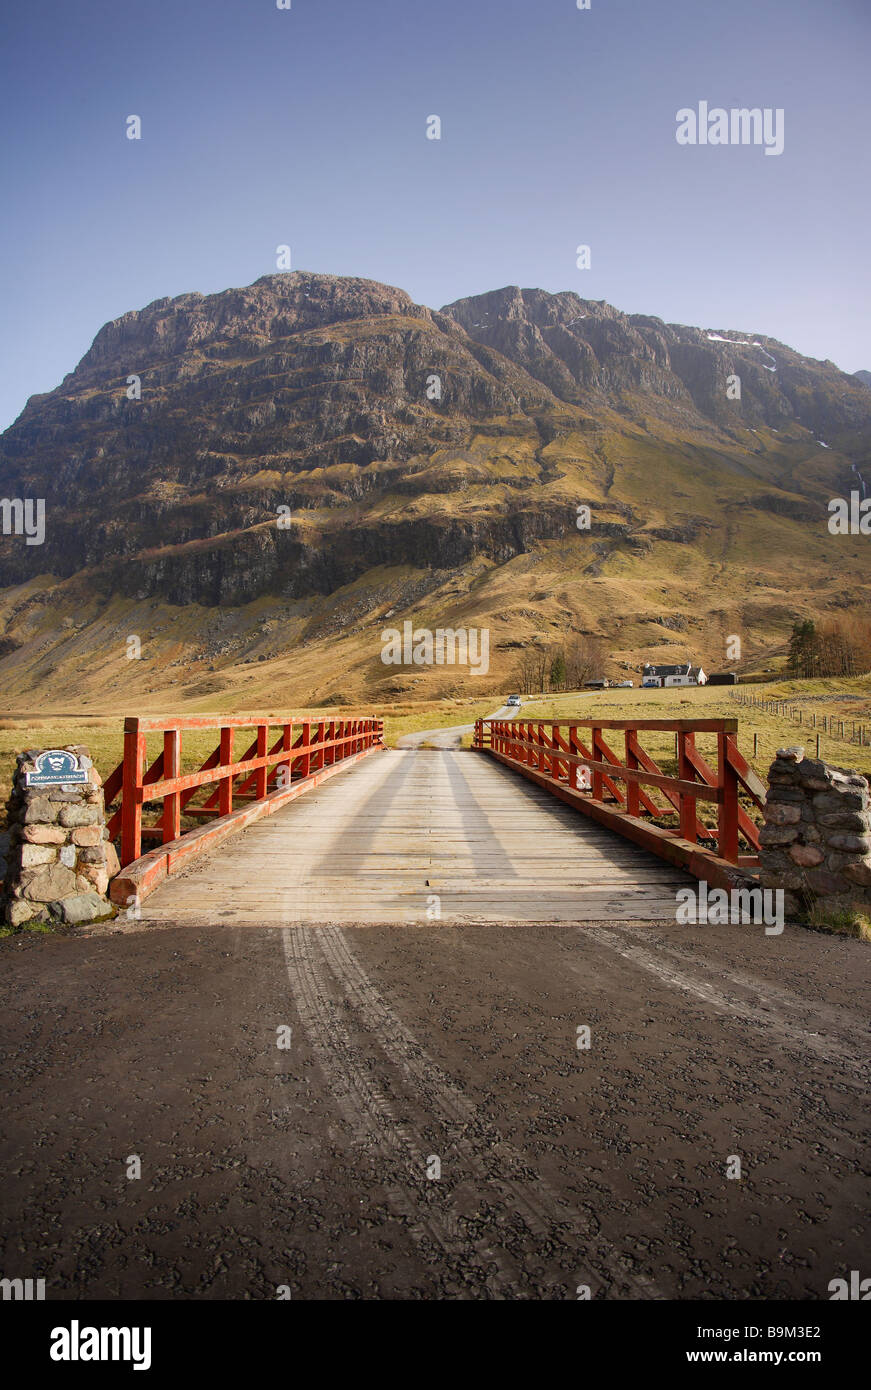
(303, 391)
(586, 352)
(311, 433)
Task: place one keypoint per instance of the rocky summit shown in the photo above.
(268, 476)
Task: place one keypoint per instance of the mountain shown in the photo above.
(864, 377)
(166, 515)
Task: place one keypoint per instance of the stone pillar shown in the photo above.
(816, 840)
(60, 858)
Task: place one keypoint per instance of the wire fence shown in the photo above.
(833, 726)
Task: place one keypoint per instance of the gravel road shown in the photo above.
(433, 1129)
(451, 736)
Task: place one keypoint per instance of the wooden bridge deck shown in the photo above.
(378, 842)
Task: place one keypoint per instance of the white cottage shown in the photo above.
(683, 674)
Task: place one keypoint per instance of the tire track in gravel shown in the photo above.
(544, 1213)
(850, 1025)
(790, 1035)
(370, 1115)
(794, 1038)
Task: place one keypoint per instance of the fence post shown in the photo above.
(131, 793)
(727, 817)
(576, 753)
(262, 774)
(686, 773)
(286, 746)
(225, 787)
(598, 783)
(555, 752)
(633, 790)
(171, 768)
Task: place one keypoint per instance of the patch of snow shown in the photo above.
(743, 342)
(824, 445)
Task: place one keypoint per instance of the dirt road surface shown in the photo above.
(450, 737)
(433, 1129)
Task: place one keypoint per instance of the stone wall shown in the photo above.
(816, 840)
(59, 856)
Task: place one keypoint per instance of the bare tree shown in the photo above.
(584, 657)
(527, 672)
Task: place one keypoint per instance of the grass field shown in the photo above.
(850, 699)
(773, 731)
(103, 735)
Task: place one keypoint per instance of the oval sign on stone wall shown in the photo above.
(54, 767)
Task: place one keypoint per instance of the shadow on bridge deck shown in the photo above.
(412, 837)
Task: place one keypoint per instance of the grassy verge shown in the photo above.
(844, 920)
(36, 925)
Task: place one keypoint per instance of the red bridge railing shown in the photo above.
(573, 759)
(302, 751)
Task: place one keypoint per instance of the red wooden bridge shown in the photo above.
(453, 834)
(586, 773)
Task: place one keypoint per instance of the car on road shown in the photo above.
(625, 685)
(513, 700)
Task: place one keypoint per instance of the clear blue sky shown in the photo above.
(307, 127)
